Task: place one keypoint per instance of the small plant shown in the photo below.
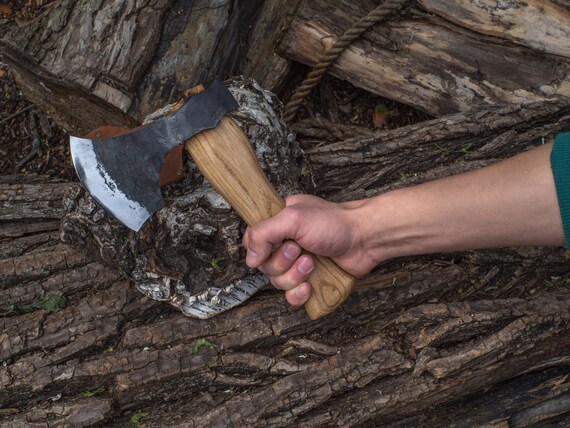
(548, 284)
(443, 149)
(201, 343)
(50, 303)
(136, 419)
(87, 394)
(215, 262)
(464, 150)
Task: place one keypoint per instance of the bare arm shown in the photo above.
(511, 203)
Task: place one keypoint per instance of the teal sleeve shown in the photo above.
(560, 162)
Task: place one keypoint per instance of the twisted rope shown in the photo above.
(386, 9)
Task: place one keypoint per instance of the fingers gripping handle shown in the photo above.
(226, 159)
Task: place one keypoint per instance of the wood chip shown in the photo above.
(6, 9)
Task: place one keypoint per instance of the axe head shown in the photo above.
(122, 173)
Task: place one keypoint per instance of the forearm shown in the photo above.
(511, 203)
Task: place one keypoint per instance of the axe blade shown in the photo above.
(122, 173)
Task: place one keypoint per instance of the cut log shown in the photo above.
(474, 337)
(478, 338)
(445, 57)
(115, 62)
(368, 165)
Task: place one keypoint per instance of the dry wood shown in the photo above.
(263, 64)
(105, 65)
(479, 338)
(543, 26)
(417, 341)
(367, 165)
(445, 58)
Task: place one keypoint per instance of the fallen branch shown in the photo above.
(19, 112)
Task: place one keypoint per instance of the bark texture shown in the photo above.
(476, 337)
(445, 57)
(359, 166)
(471, 338)
(91, 63)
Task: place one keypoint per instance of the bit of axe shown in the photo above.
(122, 173)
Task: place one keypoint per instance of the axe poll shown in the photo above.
(122, 173)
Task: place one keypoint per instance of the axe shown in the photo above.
(122, 173)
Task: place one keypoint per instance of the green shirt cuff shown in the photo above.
(560, 162)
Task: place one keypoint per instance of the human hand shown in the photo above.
(307, 223)
(507, 204)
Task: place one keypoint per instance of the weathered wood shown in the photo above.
(80, 57)
(198, 42)
(540, 25)
(262, 62)
(419, 340)
(95, 63)
(186, 244)
(445, 57)
(390, 358)
(368, 165)
(473, 337)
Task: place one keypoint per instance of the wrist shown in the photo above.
(388, 226)
(403, 222)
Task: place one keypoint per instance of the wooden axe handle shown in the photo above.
(225, 157)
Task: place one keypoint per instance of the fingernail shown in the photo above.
(292, 251)
(303, 291)
(305, 265)
(251, 257)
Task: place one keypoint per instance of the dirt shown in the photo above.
(341, 102)
(17, 132)
(17, 127)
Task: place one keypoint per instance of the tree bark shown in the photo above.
(263, 64)
(441, 57)
(364, 166)
(476, 338)
(473, 337)
(97, 63)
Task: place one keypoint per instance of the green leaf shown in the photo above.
(53, 303)
(137, 417)
(200, 343)
(216, 264)
(382, 108)
(50, 303)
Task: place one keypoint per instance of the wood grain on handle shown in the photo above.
(226, 159)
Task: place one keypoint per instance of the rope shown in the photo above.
(389, 7)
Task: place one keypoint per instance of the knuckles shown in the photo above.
(253, 238)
